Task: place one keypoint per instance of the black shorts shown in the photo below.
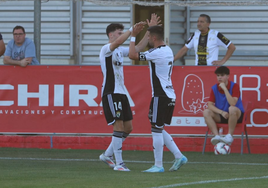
(223, 120)
(161, 110)
(116, 107)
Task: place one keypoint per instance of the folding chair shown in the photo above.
(243, 126)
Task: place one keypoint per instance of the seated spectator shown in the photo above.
(2, 45)
(20, 50)
(224, 106)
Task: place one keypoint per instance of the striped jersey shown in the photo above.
(207, 46)
(160, 61)
(112, 69)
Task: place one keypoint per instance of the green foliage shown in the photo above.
(43, 168)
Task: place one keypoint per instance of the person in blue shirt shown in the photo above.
(2, 45)
(224, 106)
(20, 50)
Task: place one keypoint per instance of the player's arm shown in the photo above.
(181, 53)
(133, 53)
(155, 20)
(120, 40)
(143, 43)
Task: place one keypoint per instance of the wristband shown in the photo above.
(130, 29)
(132, 39)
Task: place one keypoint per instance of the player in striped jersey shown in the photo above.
(160, 59)
(115, 103)
(206, 43)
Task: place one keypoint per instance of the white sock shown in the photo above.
(110, 151)
(171, 145)
(158, 143)
(117, 147)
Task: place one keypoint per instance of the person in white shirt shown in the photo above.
(206, 43)
(115, 103)
(160, 59)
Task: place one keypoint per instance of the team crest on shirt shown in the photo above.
(118, 58)
(118, 114)
(117, 63)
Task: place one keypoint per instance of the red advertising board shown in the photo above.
(67, 99)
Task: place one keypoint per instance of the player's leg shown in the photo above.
(211, 118)
(234, 116)
(127, 129)
(171, 145)
(168, 140)
(168, 106)
(122, 128)
(180, 159)
(157, 122)
(127, 117)
(107, 156)
(117, 141)
(113, 111)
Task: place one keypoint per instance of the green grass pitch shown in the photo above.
(49, 168)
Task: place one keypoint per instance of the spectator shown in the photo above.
(2, 45)
(224, 106)
(160, 59)
(206, 42)
(20, 50)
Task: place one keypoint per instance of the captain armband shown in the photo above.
(142, 56)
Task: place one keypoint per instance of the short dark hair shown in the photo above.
(157, 30)
(206, 16)
(112, 27)
(222, 70)
(19, 27)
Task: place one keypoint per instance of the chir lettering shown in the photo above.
(58, 98)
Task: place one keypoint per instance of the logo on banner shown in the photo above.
(192, 96)
(58, 99)
(77, 93)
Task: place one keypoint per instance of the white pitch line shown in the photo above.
(166, 186)
(128, 161)
(223, 163)
(45, 159)
(211, 181)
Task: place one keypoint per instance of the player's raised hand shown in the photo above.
(137, 28)
(155, 20)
